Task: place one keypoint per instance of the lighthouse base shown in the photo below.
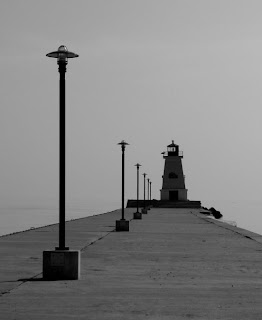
(173, 194)
(165, 204)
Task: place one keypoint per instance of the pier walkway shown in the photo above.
(173, 264)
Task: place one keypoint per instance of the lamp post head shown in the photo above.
(62, 55)
(123, 144)
(137, 165)
(144, 174)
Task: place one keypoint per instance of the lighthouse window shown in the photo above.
(172, 175)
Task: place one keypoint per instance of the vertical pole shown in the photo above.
(123, 181)
(144, 174)
(137, 186)
(62, 164)
(150, 192)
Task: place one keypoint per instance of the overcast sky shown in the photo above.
(149, 72)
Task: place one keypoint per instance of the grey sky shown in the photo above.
(148, 72)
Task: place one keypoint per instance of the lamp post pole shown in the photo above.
(123, 146)
(62, 56)
(144, 174)
(123, 225)
(137, 188)
(148, 181)
(61, 263)
(62, 151)
(137, 214)
(150, 193)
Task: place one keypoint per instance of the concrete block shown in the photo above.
(144, 211)
(61, 265)
(122, 225)
(137, 215)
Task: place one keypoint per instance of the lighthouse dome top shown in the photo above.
(172, 145)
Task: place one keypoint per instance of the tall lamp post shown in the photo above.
(137, 214)
(150, 193)
(144, 209)
(62, 55)
(148, 198)
(123, 225)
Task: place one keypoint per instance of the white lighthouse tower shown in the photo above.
(173, 188)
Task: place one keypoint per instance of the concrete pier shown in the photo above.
(172, 264)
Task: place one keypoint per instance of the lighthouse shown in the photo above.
(173, 187)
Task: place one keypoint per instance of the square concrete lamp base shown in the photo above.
(137, 215)
(61, 265)
(144, 211)
(122, 225)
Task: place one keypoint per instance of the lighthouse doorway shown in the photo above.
(173, 195)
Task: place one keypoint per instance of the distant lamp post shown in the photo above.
(148, 193)
(62, 253)
(123, 225)
(144, 209)
(137, 214)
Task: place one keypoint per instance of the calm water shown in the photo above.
(246, 214)
(14, 219)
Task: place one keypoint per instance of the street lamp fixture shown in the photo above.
(137, 214)
(148, 192)
(62, 55)
(123, 225)
(144, 210)
(62, 255)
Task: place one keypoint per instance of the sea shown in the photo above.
(246, 214)
(16, 218)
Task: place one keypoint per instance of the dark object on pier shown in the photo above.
(215, 213)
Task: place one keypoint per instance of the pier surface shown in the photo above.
(172, 264)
